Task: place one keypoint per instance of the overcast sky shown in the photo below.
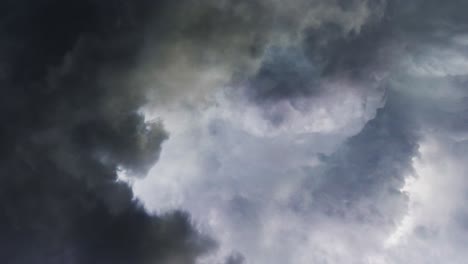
(234, 132)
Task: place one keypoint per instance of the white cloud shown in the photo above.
(236, 173)
(241, 176)
(430, 232)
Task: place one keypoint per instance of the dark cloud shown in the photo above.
(235, 258)
(331, 50)
(74, 77)
(70, 121)
(285, 72)
(328, 50)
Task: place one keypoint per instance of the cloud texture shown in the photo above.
(315, 155)
(70, 121)
(321, 131)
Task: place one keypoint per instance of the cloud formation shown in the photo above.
(308, 132)
(309, 157)
(70, 123)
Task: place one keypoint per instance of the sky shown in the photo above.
(233, 132)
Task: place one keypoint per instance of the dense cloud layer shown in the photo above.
(70, 122)
(315, 131)
(322, 152)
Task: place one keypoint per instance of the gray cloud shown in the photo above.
(295, 129)
(279, 191)
(372, 163)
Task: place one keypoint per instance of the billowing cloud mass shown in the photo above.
(320, 131)
(70, 124)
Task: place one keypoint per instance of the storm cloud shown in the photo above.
(269, 132)
(322, 152)
(70, 124)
